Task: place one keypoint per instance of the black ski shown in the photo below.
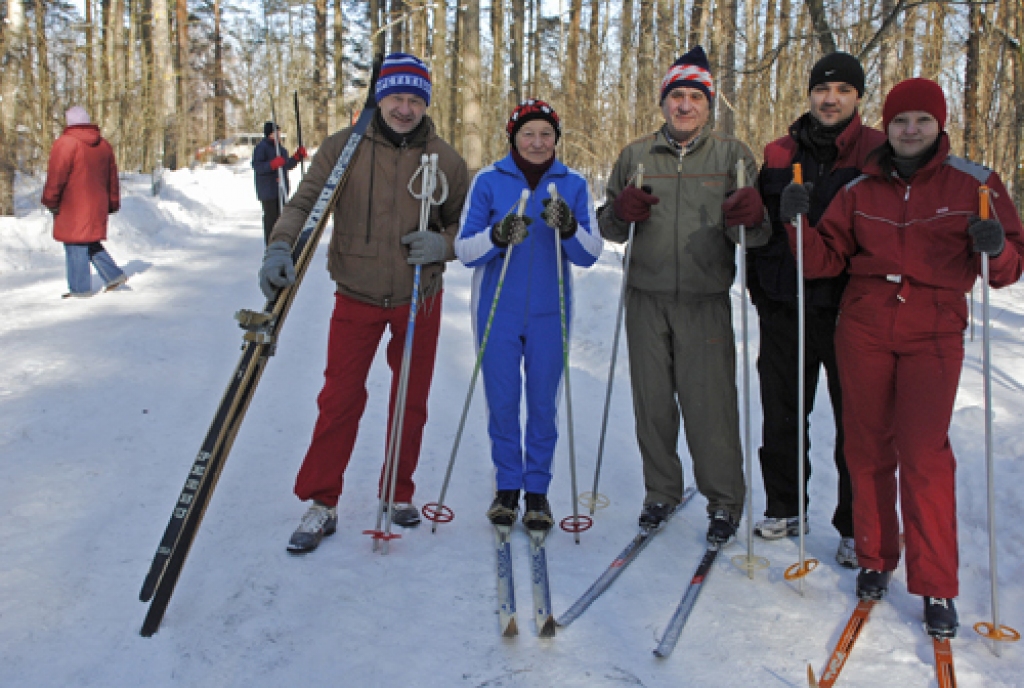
(625, 558)
(259, 342)
(682, 613)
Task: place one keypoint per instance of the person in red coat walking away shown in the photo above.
(81, 191)
(909, 235)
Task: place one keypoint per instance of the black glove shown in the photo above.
(559, 216)
(988, 236)
(796, 200)
(510, 231)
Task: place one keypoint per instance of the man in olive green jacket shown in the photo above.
(678, 312)
(371, 258)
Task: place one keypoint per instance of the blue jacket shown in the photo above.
(531, 283)
(266, 178)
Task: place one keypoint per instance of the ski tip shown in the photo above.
(512, 630)
(811, 680)
(547, 630)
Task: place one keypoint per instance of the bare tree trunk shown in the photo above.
(12, 37)
(816, 8)
(220, 123)
(645, 66)
(516, 49)
(163, 81)
(1018, 102)
(626, 73)
(696, 24)
(320, 92)
(931, 62)
(727, 71)
(439, 49)
(90, 65)
(378, 41)
(454, 130)
(338, 45)
(666, 48)
(971, 85)
(182, 83)
(43, 94)
(472, 120)
(572, 62)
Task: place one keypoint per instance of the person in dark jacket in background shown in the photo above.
(272, 187)
(81, 191)
(831, 145)
(909, 235)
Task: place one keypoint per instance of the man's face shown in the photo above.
(402, 111)
(911, 133)
(686, 111)
(833, 102)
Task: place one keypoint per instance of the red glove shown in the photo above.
(743, 207)
(276, 163)
(300, 154)
(634, 205)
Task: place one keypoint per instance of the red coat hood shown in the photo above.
(89, 134)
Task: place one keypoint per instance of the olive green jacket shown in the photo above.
(684, 250)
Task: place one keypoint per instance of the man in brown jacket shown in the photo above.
(375, 219)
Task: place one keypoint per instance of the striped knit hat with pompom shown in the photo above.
(534, 108)
(691, 70)
(403, 73)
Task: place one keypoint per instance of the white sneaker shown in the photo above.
(846, 555)
(319, 522)
(777, 528)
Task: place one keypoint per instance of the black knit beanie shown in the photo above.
(842, 67)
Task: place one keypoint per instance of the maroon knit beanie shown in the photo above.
(915, 94)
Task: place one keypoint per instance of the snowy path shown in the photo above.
(103, 404)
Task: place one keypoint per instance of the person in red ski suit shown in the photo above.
(909, 235)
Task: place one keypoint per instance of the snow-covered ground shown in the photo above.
(104, 402)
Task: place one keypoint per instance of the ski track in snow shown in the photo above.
(104, 402)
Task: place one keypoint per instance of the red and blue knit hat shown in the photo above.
(403, 73)
(691, 70)
(527, 110)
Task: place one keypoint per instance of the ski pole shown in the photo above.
(992, 631)
(748, 561)
(575, 524)
(804, 566)
(429, 172)
(595, 499)
(281, 193)
(437, 511)
(298, 130)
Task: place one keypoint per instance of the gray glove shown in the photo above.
(796, 200)
(425, 247)
(278, 271)
(988, 236)
(511, 230)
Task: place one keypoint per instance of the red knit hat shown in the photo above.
(532, 108)
(915, 94)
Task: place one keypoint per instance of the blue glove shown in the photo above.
(425, 247)
(278, 271)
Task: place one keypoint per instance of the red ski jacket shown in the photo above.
(914, 232)
(81, 185)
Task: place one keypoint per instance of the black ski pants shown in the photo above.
(271, 211)
(778, 372)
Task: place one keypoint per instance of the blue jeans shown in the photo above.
(78, 258)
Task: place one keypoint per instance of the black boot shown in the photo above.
(722, 527)
(654, 515)
(538, 512)
(504, 508)
(872, 585)
(940, 618)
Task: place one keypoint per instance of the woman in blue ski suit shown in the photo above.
(526, 333)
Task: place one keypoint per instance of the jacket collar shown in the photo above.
(844, 142)
(419, 139)
(928, 169)
(508, 166)
(663, 144)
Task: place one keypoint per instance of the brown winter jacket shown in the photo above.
(374, 210)
(81, 185)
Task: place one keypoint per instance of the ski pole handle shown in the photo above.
(553, 191)
(523, 198)
(983, 202)
(798, 173)
(639, 183)
(741, 174)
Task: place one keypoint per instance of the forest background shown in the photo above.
(163, 78)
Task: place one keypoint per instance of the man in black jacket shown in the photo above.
(831, 145)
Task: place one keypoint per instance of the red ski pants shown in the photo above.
(899, 364)
(355, 333)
